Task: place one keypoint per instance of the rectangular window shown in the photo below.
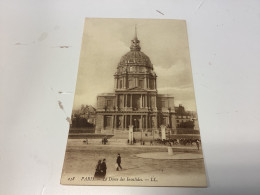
(108, 121)
(164, 121)
(163, 104)
(141, 83)
(110, 103)
(131, 83)
(151, 83)
(132, 69)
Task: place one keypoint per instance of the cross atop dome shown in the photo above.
(135, 42)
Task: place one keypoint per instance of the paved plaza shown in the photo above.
(82, 158)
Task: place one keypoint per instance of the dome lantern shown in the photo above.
(135, 43)
(135, 60)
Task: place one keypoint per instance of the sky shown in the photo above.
(105, 41)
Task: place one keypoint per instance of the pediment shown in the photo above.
(136, 88)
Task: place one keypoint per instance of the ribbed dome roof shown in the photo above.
(135, 58)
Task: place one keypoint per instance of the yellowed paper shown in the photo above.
(134, 119)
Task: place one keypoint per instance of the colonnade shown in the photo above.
(149, 83)
(131, 100)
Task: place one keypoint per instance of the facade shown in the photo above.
(135, 100)
(188, 117)
(182, 116)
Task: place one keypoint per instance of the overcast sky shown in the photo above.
(105, 41)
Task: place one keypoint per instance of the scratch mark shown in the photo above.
(62, 108)
(160, 12)
(200, 4)
(60, 92)
(43, 36)
(62, 46)
(18, 43)
(60, 105)
(43, 189)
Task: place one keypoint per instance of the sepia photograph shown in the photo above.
(130, 97)
(134, 120)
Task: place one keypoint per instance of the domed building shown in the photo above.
(135, 100)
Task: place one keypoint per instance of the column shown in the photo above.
(125, 121)
(145, 82)
(123, 100)
(141, 102)
(146, 101)
(103, 122)
(156, 123)
(149, 121)
(131, 134)
(155, 83)
(163, 132)
(154, 101)
(141, 122)
(113, 121)
(124, 81)
(131, 101)
(131, 122)
(116, 102)
(126, 100)
(146, 122)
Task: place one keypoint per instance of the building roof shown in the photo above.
(135, 58)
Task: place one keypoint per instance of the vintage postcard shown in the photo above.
(134, 119)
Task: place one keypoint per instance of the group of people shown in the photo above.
(131, 142)
(101, 167)
(104, 141)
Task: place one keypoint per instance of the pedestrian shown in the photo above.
(85, 141)
(103, 168)
(98, 170)
(118, 161)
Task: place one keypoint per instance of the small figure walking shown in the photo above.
(198, 144)
(103, 168)
(85, 141)
(118, 161)
(98, 170)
